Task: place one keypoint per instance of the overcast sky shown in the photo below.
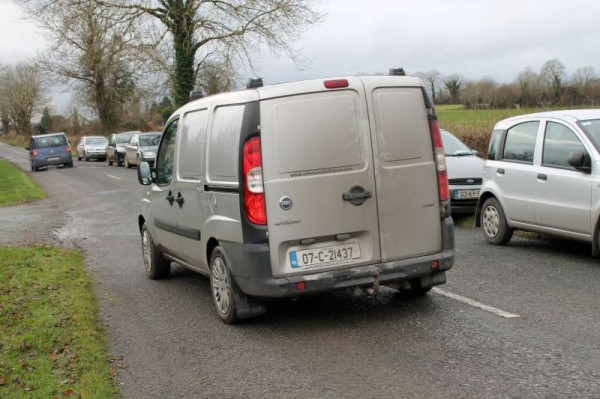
(474, 38)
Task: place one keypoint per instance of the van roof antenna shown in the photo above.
(254, 83)
(397, 72)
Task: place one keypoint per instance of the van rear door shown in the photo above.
(319, 178)
(405, 169)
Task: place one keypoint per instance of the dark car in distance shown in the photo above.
(49, 149)
(115, 152)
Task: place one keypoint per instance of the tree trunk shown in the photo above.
(182, 27)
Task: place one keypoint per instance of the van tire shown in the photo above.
(494, 227)
(118, 160)
(222, 283)
(222, 287)
(157, 267)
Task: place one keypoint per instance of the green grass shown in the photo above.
(16, 186)
(474, 126)
(51, 341)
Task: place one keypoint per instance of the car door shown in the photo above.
(195, 205)
(163, 209)
(131, 149)
(405, 171)
(563, 194)
(515, 174)
(319, 179)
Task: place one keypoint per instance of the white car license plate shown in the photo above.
(466, 194)
(309, 258)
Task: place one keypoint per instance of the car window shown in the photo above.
(148, 140)
(97, 141)
(520, 142)
(124, 138)
(559, 142)
(166, 155)
(453, 146)
(191, 148)
(52, 141)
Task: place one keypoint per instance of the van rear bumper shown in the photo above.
(251, 269)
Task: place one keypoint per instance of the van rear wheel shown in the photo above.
(222, 287)
(156, 266)
(493, 223)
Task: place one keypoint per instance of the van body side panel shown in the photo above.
(315, 148)
(405, 171)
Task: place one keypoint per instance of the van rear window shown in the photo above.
(317, 131)
(402, 126)
(223, 143)
(52, 141)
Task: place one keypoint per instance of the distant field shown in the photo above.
(475, 126)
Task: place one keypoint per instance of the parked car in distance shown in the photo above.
(92, 147)
(273, 192)
(49, 149)
(465, 173)
(142, 148)
(115, 151)
(542, 175)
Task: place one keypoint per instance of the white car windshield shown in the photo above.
(453, 146)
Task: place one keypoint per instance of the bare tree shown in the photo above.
(553, 75)
(22, 88)
(94, 50)
(585, 82)
(432, 79)
(531, 88)
(199, 30)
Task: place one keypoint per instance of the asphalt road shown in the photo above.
(463, 340)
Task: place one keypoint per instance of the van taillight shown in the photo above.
(440, 159)
(35, 153)
(254, 193)
(68, 149)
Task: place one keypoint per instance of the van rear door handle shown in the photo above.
(179, 200)
(500, 171)
(542, 177)
(356, 195)
(170, 198)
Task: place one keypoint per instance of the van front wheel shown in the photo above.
(493, 223)
(156, 266)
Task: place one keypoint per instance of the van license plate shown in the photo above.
(466, 194)
(53, 159)
(309, 258)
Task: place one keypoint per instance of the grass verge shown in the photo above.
(51, 341)
(17, 187)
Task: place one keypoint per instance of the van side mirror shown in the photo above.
(144, 173)
(577, 159)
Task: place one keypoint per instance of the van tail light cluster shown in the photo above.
(254, 193)
(68, 149)
(35, 153)
(440, 159)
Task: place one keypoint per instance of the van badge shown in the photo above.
(285, 203)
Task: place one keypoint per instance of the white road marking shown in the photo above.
(114, 177)
(475, 304)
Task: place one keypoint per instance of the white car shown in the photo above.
(465, 174)
(542, 175)
(92, 147)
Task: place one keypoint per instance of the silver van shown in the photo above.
(299, 188)
(542, 175)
